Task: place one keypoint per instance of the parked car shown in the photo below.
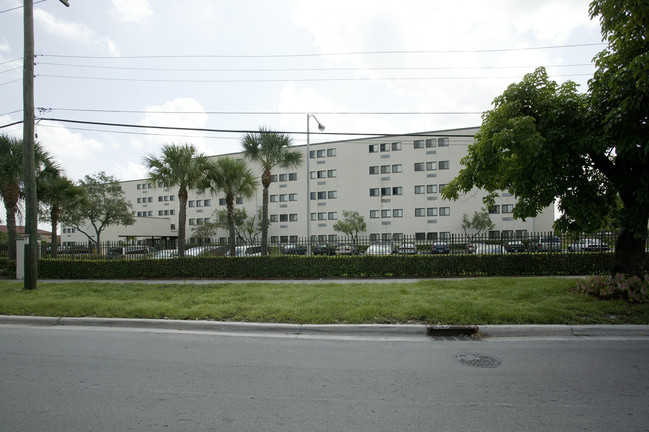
(246, 250)
(490, 249)
(588, 245)
(205, 251)
(407, 249)
(379, 249)
(347, 249)
(323, 249)
(549, 244)
(293, 249)
(130, 252)
(440, 248)
(515, 246)
(165, 254)
(471, 246)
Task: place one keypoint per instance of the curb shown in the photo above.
(350, 330)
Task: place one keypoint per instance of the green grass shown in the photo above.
(467, 301)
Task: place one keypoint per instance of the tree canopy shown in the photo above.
(351, 224)
(545, 141)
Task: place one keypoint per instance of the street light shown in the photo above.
(308, 180)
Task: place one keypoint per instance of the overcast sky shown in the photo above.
(238, 65)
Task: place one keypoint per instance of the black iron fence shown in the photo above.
(346, 246)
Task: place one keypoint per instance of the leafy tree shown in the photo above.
(103, 204)
(351, 224)
(205, 230)
(246, 228)
(269, 149)
(11, 179)
(57, 193)
(481, 222)
(544, 141)
(232, 177)
(181, 166)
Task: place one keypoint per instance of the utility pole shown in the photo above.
(29, 164)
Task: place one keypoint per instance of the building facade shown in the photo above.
(394, 182)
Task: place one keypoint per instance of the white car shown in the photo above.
(407, 249)
(246, 250)
(588, 245)
(205, 251)
(379, 249)
(489, 249)
(165, 254)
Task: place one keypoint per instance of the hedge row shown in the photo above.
(298, 267)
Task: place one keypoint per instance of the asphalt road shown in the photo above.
(106, 379)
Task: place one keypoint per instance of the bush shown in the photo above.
(633, 289)
(7, 268)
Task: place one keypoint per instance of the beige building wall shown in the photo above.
(393, 181)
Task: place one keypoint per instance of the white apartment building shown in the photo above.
(393, 181)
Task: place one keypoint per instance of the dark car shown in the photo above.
(515, 246)
(549, 244)
(440, 248)
(347, 249)
(324, 249)
(293, 249)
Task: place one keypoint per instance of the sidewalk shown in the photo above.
(409, 331)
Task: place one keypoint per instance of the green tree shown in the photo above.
(269, 149)
(181, 166)
(544, 141)
(351, 224)
(11, 179)
(481, 222)
(57, 194)
(234, 178)
(247, 228)
(103, 204)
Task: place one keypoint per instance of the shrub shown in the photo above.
(633, 289)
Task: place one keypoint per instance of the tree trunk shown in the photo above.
(629, 254)
(229, 201)
(182, 218)
(11, 230)
(265, 181)
(55, 220)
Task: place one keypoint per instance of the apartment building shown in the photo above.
(395, 182)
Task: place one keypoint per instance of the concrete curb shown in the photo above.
(365, 330)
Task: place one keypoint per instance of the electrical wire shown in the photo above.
(268, 112)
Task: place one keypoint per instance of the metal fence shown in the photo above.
(451, 244)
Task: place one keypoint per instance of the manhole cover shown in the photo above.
(478, 360)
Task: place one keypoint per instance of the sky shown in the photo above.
(361, 66)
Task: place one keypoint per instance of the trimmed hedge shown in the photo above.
(7, 268)
(298, 267)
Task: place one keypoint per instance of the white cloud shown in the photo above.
(132, 171)
(132, 10)
(74, 151)
(72, 31)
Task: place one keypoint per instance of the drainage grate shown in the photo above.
(478, 360)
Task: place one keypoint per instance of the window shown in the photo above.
(312, 154)
(331, 173)
(420, 189)
(139, 186)
(441, 188)
(397, 190)
(313, 196)
(273, 178)
(397, 168)
(420, 236)
(283, 218)
(173, 226)
(442, 142)
(322, 216)
(495, 209)
(374, 170)
(321, 153)
(292, 197)
(283, 197)
(292, 177)
(396, 146)
(139, 200)
(374, 214)
(508, 208)
(160, 213)
(322, 174)
(431, 166)
(199, 203)
(172, 212)
(444, 211)
(292, 217)
(207, 202)
(331, 152)
(431, 211)
(313, 216)
(199, 221)
(420, 212)
(322, 195)
(149, 186)
(374, 192)
(312, 175)
(494, 235)
(419, 166)
(332, 194)
(374, 148)
(167, 198)
(273, 198)
(385, 213)
(283, 177)
(444, 165)
(418, 144)
(171, 198)
(332, 215)
(397, 213)
(432, 142)
(139, 214)
(160, 198)
(431, 189)
(192, 222)
(192, 203)
(385, 169)
(222, 201)
(385, 147)
(274, 218)
(208, 220)
(150, 199)
(166, 213)
(386, 191)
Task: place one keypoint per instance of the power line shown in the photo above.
(268, 112)
(20, 7)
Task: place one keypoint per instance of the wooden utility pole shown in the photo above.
(29, 169)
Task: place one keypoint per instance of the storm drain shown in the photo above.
(478, 360)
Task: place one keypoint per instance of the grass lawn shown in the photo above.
(463, 301)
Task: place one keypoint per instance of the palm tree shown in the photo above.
(234, 178)
(181, 166)
(57, 193)
(11, 178)
(269, 149)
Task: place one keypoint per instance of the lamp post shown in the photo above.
(29, 164)
(308, 180)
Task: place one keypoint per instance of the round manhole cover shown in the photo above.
(478, 360)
